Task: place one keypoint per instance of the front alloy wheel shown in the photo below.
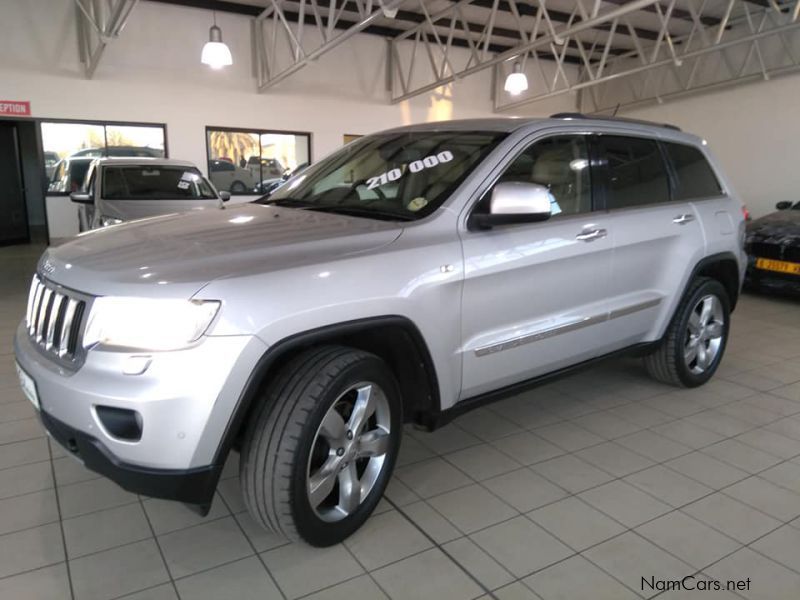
(322, 444)
(349, 451)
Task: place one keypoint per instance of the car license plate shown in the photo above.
(779, 266)
(28, 386)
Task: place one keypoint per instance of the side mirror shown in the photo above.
(515, 202)
(783, 205)
(224, 196)
(81, 197)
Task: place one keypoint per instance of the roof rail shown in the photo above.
(577, 115)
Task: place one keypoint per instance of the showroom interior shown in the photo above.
(601, 483)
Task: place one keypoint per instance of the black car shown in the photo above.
(773, 248)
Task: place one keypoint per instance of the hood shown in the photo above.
(176, 255)
(778, 227)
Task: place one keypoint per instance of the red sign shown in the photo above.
(16, 108)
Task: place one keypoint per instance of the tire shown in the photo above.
(237, 187)
(691, 351)
(287, 451)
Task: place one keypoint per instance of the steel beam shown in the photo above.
(546, 36)
(673, 67)
(99, 22)
(273, 25)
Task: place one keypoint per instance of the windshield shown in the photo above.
(402, 176)
(155, 183)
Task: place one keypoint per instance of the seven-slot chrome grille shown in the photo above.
(54, 319)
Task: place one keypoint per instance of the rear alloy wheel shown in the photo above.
(704, 334)
(694, 342)
(321, 447)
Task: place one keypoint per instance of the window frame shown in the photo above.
(259, 132)
(600, 172)
(594, 191)
(93, 122)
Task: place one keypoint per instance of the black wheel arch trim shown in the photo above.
(714, 259)
(319, 335)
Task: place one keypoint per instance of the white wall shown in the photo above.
(753, 129)
(152, 73)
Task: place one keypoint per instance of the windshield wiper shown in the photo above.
(358, 211)
(287, 202)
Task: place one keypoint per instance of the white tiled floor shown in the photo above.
(575, 490)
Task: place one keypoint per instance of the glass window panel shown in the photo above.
(135, 140)
(234, 161)
(68, 150)
(155, 183)
(561, 164)
(400, 176)
(696, 179)
(635, 170)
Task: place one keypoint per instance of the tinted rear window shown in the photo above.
(155, 183)
(636, 172)
(696, 179)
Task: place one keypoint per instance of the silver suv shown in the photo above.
(125, 189)
(408, 277)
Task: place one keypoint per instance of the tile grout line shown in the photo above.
(158, 546)
(61, 522)
(250, 543)
(439, 546)
(632, 529)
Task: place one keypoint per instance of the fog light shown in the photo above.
(120, 423)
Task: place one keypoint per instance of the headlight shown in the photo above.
(106, 221)
(148, 324)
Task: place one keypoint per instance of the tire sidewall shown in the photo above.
(311, 528)
(708, 287)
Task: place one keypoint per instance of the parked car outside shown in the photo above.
(227, 176)
(69, 174)
(121, 151)
(270, 185)
(50, 161)
(773, 248)
(124, 189)
(266, 168)
(410, 276)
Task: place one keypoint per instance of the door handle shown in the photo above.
(590, 235)
(683, 219)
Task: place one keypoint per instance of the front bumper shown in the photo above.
(192, 486)
(186, 400)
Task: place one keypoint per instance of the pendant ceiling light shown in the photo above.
(517, 81)
(216, 53)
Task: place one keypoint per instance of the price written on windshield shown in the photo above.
(416, 166)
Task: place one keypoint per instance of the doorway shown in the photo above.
(13, 215)
(22, 211)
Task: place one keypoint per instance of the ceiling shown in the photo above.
(506, 32)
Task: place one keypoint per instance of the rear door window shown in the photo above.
(635, 171)
(695, 177)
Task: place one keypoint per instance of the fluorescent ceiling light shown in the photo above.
(516, 82)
